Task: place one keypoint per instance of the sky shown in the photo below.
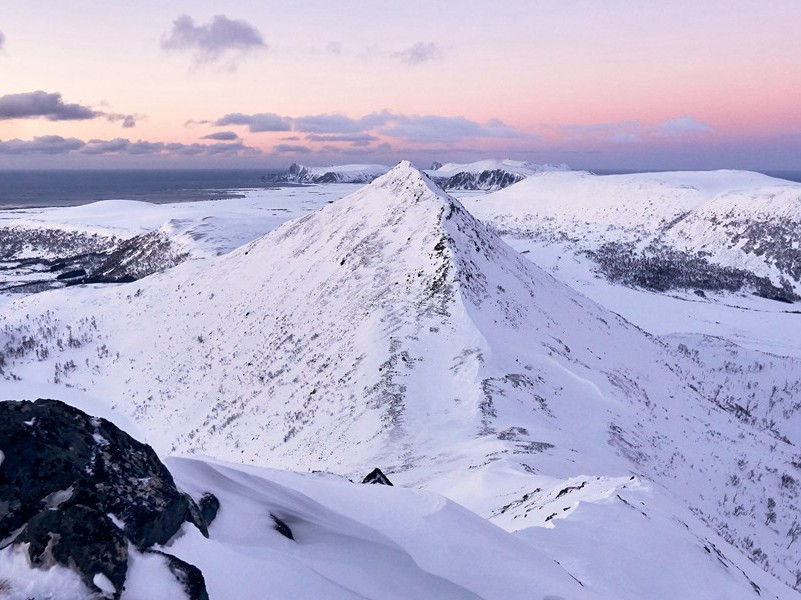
(614, 84)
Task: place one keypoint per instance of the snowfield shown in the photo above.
(550, 434)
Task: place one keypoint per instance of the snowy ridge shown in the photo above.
(356, 173)
(488, 175)
(392, 328)
(735, 219)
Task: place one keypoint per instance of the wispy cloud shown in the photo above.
(419, 53)
(633, 131)
(208, 43)
(222, 136)
(292, 149)
(682, 125)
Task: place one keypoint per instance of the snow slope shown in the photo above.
(736, 219)
(392, 328)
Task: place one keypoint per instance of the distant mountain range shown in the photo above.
(484, 175)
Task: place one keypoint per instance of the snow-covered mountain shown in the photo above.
(46, 248)
(393, 328)
(488, 175)
(733, 219)
(332, 174)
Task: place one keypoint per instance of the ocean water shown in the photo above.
(71, 188)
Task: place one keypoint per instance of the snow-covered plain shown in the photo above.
(393, 329)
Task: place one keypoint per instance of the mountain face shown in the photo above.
(487, 175)
(333, 174)
(393, 328)
(745, 222)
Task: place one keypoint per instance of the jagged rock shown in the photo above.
(377, 477)
(189, 576)
(66, 478)
(282, 527)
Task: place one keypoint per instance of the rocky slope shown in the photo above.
(333, 174)
(78, 492)
(487, 175)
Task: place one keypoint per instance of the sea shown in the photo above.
(24, 189)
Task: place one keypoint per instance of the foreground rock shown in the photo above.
(82, 493)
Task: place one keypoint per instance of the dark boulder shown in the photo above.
(282, 527)
(66, 478)
(377, 477)
(72, 274)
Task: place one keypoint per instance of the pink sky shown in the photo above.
(615, 84)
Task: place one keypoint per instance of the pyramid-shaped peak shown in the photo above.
(404, 178)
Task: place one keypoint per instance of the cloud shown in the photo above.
(297, 149)
(434, 128)
(223, 136)
(331, 127)
(2, 40)
(333, 123)
(257, 123)
(628, 132)
(334, 48)
(42, 104)
(128, 121)
(46, 144)
(54, 144)
(356, 139)
(419, 53)
(681, 126)
(210, 42)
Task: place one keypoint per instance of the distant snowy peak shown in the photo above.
(486, 175)
(356, 173)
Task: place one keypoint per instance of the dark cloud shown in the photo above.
(46, 144)
(53, 144)
(293, 148)
(256, 123)
(419, 53)
(2, 40)
(211, 41)
(42, 104)
(50, 106)
(224, 136)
